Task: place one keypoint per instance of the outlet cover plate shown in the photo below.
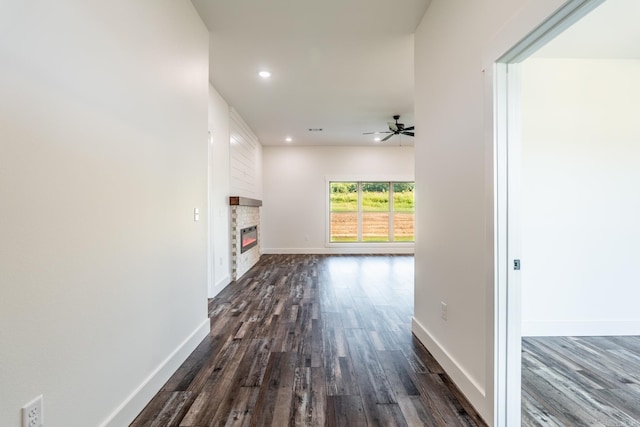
(443, 311)
(32, 413)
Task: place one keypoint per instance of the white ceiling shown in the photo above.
(611, 31)
(345, 66)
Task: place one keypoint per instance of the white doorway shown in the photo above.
(509, 216)
(579, 189)
(580, 103)
(567, 151)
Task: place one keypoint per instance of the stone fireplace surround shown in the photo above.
(245, 212)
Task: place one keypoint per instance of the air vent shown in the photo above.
(315, 129)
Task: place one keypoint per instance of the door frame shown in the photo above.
(505, 79)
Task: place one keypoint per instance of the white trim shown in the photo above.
(211, 255)
(533, 27)
(128, 410)
(359, 218)
(500, 249)
(222, 283)
(580, 328)
(514, 246)
(359, 180)
(470, 387)
(530, 19)
(571, 12)
(343, 249)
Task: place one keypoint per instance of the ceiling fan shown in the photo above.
(394, 129)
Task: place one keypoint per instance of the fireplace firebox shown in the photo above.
(248, 238)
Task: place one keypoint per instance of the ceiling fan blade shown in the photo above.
(409, 128)
(408, 133)
(393, 126)
(375, 133)
(387, 137)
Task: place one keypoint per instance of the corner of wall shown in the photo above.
(219, 286)
(473, 391)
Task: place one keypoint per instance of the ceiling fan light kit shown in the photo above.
(395, 128)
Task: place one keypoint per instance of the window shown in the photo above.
(344, 211)
(371, 212)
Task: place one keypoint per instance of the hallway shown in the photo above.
(312, 340)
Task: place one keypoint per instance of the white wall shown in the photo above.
(246, 159)
(455, 42)
(580, 198)
(103, 148)
(294, 214)
(219, 185)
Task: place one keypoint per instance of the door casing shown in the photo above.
(505, 76)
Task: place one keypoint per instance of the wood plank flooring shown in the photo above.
(581, 381)
(309, 340)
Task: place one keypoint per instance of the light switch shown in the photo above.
(196, 214)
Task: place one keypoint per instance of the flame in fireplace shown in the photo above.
(248, 238)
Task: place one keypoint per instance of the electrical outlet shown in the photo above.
(32, 414)
(443, 310)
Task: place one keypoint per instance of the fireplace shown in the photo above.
(245, 235)
(248, 238)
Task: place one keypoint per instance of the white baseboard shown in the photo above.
(580, 328)
(355, 250)
(473, 391)
(220, 286)
(138, 399)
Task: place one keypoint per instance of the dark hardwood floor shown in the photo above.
(581, 381)
(311, 340)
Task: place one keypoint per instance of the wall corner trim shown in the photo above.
(467, 385)
(128, 410)
(222, 283)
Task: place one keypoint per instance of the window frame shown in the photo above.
(359, 181)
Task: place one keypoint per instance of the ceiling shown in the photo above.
(345, 67)
(611, 31)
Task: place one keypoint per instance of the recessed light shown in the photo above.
(288, 139)
(377, 139)
(264, 74)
